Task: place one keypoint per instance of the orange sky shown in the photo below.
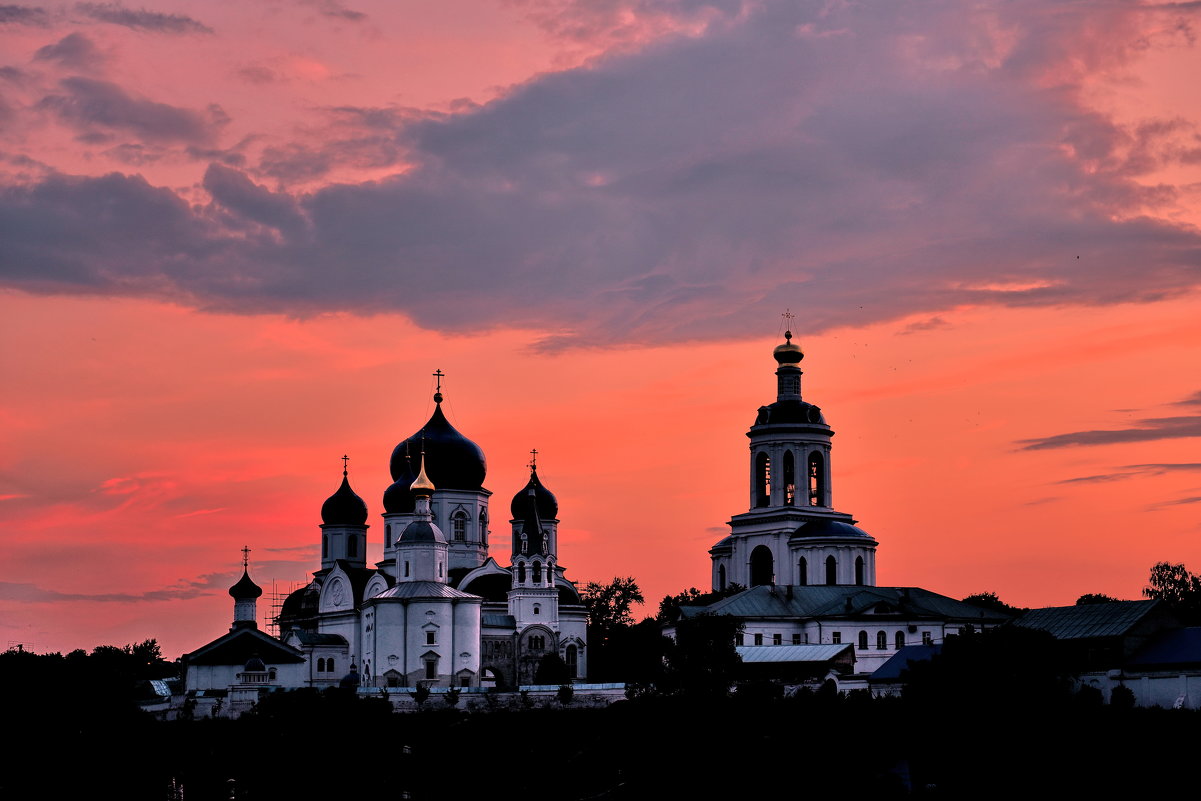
(159, 414)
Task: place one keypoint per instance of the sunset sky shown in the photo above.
(236, 239)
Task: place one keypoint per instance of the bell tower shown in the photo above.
(791, 531)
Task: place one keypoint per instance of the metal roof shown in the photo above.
(824, 601)
(790, 653)
(1172, 649)
(423, 589)
(501, 621)
(1112, 619)
(891, 670)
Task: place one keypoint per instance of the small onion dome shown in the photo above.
(452, 460)
(351, 680)
(399, 497)
(544, 499)
(421, 531)
(788, 354)
(255, 665)
(422, 484)
(828, 528)
(344, 508)
(245, 589)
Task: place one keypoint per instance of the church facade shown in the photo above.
(438, 609)
(806, 570)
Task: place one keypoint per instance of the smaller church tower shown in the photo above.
(421, 549)
(245, 594)
(344, 526)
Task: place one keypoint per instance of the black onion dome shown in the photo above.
(790, 412)
(245, 589)
(828, 528)
(421, 531)
(344, 508)
(399, 497)
(451, 460)
(548, 505)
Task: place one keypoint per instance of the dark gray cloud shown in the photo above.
(141, 19)
(74, 51)
(182, 590)
(23, 15)
(860, 161)
(89, 104)
(1145, 430)
(1135, 471)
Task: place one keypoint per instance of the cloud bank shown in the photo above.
(864, 162)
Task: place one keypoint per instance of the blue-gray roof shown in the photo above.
(1171, 649)
(313, 638)
(424, 589)
(785, 602)
(499, 621)
(900, 661)
(791, 653)
(1112, 619)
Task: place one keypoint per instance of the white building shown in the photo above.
(808, 570)
(437, 609)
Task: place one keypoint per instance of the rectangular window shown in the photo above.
(777, 639)
(836, 637)
(758, 639)
(430, 638)
(926, 639)
(796, 639)
(741, 639)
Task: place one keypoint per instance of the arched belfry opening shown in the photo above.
(762, 479)
(831, 570)
(789, 479)
(762, 566)
(817, 480)
(803, 571)
(859, 571)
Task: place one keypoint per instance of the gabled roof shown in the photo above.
(313, 638)
(900, 661)
(1112, 619)
(826, 601)
(423, 589)
(1172, 649)
(236, 647)
(791, 653)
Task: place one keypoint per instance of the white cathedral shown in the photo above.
(438, 610)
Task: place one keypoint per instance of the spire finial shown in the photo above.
(438, 374)
(788, 317)
(345, 462)
(245, 558)
(533, 460)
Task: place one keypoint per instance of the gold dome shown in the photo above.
(788, 354)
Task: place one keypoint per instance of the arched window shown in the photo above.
(789, 479)
(324, 546)
(320, 665)
(881, 641)
(859, 571)
(406, 569)
(521, 572)
(458, 526)
(721, 578)
(537, 609)
(863, 641)
(900, 640)
(762, 480)
(352, 545)
(572, 657)
(525, 543)
(484, 526)
(329, 665)
(537, 578)
(762, 566)
(803, 571)
(817, 480)
(831, 570)
(387, 536)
